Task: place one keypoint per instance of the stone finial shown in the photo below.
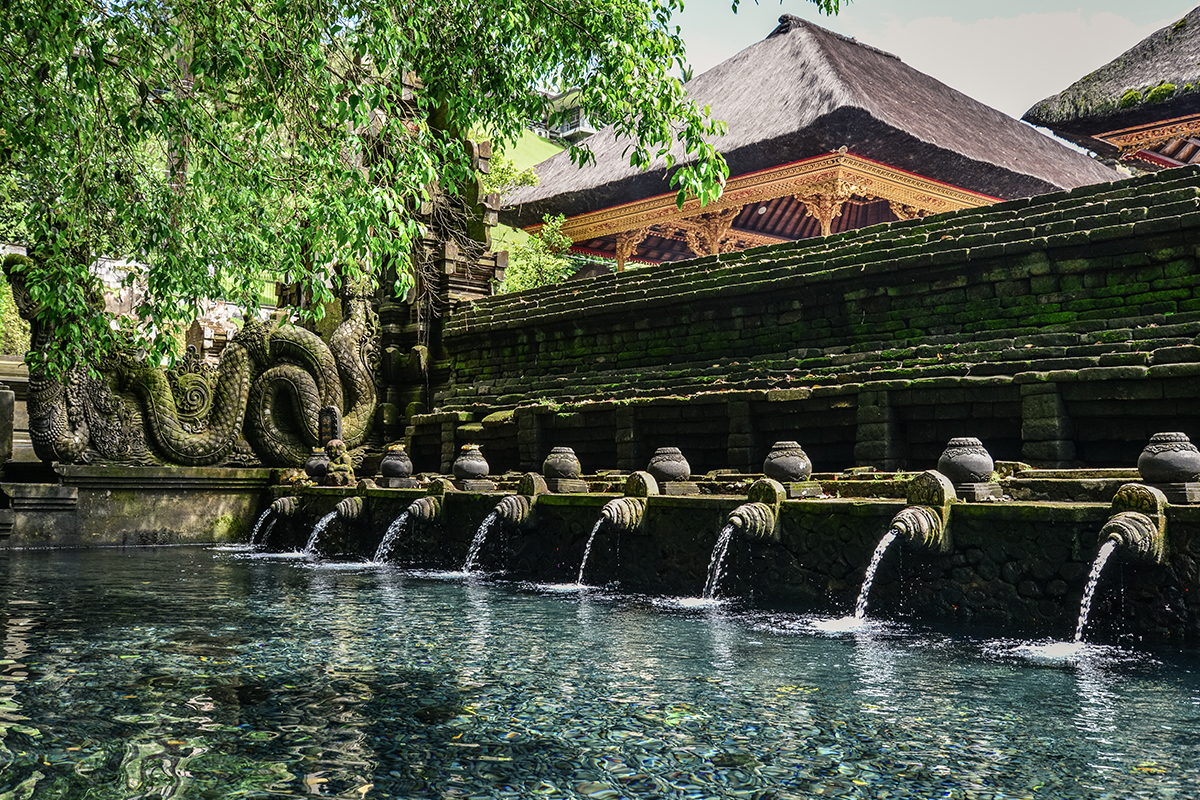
(1169, 458)
(787, 462)
(668, 464)
(470, 464)
(969, 466)
(561, 463)
(966, 460)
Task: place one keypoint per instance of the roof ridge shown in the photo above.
(790, 22)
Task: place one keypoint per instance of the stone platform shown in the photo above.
(93, 506)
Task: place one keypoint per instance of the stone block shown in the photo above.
(1054, 452)
(1047, 429)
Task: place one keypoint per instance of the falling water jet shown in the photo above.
(923, 523)
(1138, 526)
(477, 543)
(258, 525)
(587, 550)
(384, 551)
(717, 560)
(318, 529)
(756, 520)
(1085, 607)
(860, 606)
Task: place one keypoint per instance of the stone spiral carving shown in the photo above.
(1138, 523)
(1136, 534)
(624, 513)
(921, 526)
(285, 506)
(753, 520)
(350, 508)
(425, 509)
(259, 405)
(514, 509)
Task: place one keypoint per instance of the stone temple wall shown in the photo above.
(1061, 330)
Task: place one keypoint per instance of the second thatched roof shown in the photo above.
(804, 91)
(1157, 79)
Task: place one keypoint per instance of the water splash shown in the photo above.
(587, 550)
(477, 543)
(384, 551)
(258, 526)
(860, 607)
(318, 529)
(1086, 606)
(716, 563)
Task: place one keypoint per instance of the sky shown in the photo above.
(1009, 54)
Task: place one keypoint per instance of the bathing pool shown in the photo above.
(220, 673)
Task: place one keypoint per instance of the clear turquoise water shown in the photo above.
(186, 672)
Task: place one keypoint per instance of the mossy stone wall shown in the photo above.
(1060, 329)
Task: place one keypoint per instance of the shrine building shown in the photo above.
(825, 134)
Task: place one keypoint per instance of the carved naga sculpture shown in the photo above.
(259, 405)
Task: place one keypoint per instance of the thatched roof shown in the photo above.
(804, 91)
(1119, 94)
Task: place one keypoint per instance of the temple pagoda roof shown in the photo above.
(805, 92)
(1138, 102)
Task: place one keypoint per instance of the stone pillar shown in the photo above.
(530, 438)
(449, 444)
(878, 442)
(739, 447)
(627, 441)
(8, 400)
(1047, 434)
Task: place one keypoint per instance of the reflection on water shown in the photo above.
(209, 673)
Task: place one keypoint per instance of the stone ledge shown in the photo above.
(148, 478)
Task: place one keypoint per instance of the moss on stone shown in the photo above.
(1131, 98)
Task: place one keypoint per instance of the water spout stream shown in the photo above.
(716, 562)
(318, 529)
(258, 525)
(384, 551)
(587, 550)
(1085, 607)
(477, 542)
(860, 607)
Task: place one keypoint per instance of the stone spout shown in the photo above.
(759, 518)
(921, 526)
(1136, 534)
(286, 506)
(514, 510)
(753, 520)
(1139, 523)
(624, 513)
(350, 509)
(426, 509)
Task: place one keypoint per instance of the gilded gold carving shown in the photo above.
(824, 200)
(706, 234)
(627, 245)
(904, 211)
(873, 179)
(1148, 137)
